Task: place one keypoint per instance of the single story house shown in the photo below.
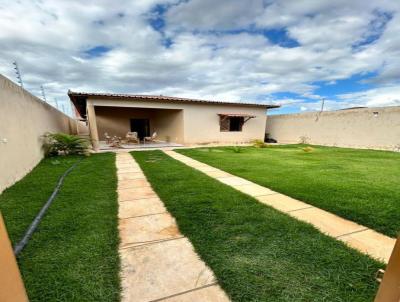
(175, 120)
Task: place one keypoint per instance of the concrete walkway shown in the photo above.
(356, 236)
(157, 262)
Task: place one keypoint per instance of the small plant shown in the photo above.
(308, 149)
(304, 140)
(258, 143)
(65, 144)
(237, 149)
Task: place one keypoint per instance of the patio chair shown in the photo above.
(132, 137)
(107, 138)
(150, 138)
(116, 142)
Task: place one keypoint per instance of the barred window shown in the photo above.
(231, 123)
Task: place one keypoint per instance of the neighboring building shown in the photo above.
(176, 120)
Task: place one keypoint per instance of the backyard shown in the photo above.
(256, 252)
(359, 185)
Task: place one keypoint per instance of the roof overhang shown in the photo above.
(79, 99)
(236, 115)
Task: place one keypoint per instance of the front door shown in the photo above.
(141, 126)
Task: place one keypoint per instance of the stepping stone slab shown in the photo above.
(326, 222)
(205, 168)
(130, 175)
(209, 294)
(133, 183)
(128, 169)
(234, 181)
(282, 202)
(171, 267)
(135, 193)
(253, 190)
(217, 174)
(372, 243)
(140, 207)
(139, 230)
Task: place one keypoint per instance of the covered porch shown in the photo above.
(153, 127)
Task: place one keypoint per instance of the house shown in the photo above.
(176, 120)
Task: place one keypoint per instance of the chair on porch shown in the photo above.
(107, 138)
(132, 137)
(150, 138)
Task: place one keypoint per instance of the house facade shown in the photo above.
(175, 120)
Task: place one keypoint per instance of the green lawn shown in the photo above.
(360, 185)
(256, 252)
(73, 256)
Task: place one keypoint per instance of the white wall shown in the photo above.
(374, 128)
(23, 120)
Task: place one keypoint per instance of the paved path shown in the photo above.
(157, 262)
(356, 236)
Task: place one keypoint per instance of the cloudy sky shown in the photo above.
(293, 53)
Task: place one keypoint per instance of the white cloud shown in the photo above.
(218, 49)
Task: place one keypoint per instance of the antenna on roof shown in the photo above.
(18, 74)
(56, 103)
(43, 94)
(322, 104)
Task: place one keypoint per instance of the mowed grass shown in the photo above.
(360, 185)
(256, 252)
(73, 256)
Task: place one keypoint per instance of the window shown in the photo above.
(231, 123)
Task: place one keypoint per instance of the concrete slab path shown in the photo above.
(354, 235)
(157, 262)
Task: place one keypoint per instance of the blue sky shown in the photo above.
(292, 53)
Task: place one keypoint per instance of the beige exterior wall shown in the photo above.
(183, 122)
(116, 121)
(375, 128)
(23, 120)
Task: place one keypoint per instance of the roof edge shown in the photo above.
(73, 94)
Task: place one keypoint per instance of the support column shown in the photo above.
(91, 116)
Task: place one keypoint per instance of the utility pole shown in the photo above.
(18, 74)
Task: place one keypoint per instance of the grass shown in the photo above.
(360, 185)
(256, 252)
(73, 256)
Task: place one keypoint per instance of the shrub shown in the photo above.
(237, 149)
(65, 144)
(308, 149)
(259, 143)
(304, 139)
